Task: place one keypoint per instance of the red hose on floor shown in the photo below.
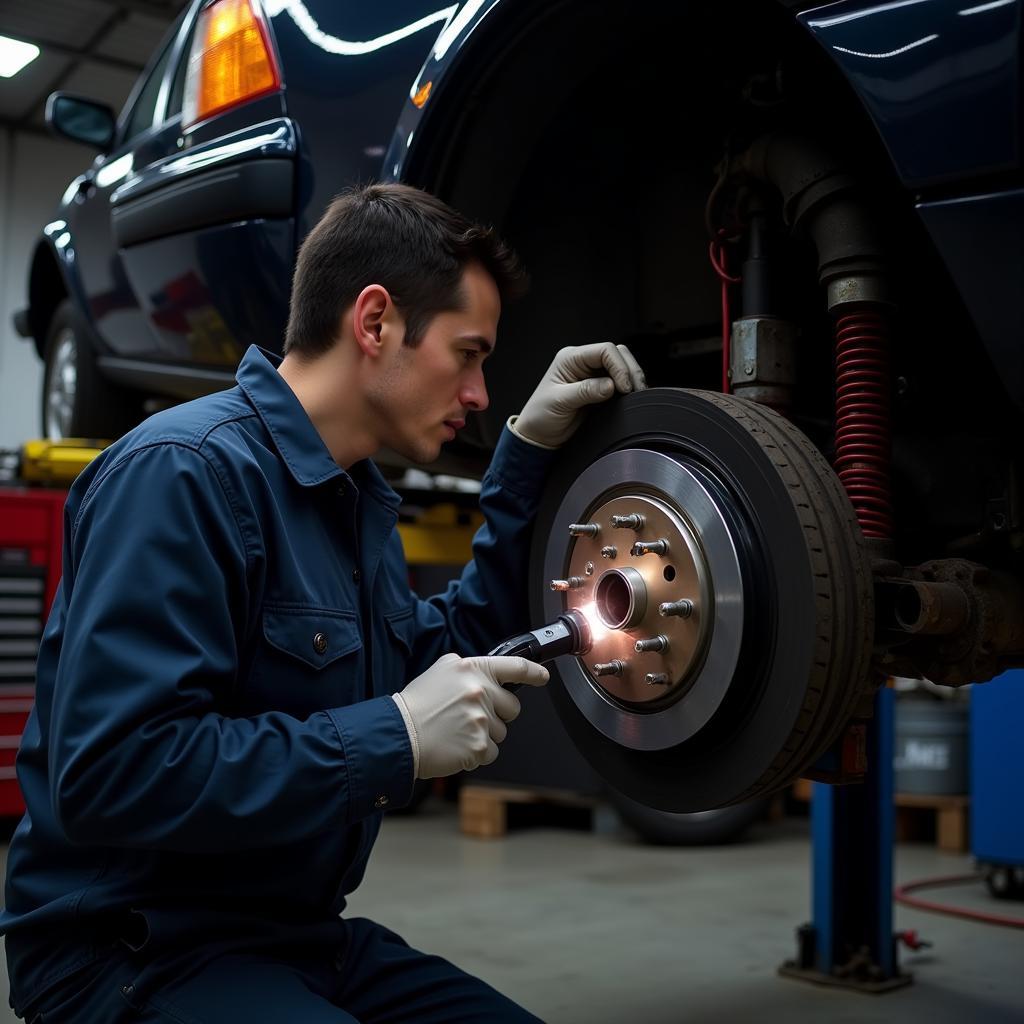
(900, 894)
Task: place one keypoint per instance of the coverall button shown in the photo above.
(381, 801)
(127, 990)
(320, 643)
(356, 575)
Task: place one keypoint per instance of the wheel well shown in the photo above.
(46, 291)
(591, 142)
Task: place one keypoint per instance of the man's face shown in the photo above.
(424, 394)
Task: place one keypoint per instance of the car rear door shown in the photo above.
(205, 234)
(113, 305)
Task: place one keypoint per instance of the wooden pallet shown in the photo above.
(949, 814)
(484, 810)
(950, 817)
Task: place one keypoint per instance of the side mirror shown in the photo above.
(81, 120)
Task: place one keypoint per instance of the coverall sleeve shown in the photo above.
(488, 602)
(140, 751)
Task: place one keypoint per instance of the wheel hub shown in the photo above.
(646, 584)
(62, 385)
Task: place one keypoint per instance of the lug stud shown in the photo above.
(634, 521)
(656, 679)
(654, 643)
(572, 583)
(610, 668)
(584, 529)
(650, 547)
(684, 608)
(609, 552)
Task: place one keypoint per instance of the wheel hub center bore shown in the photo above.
(642, 581)
(620, 598)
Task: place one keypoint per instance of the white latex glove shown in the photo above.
(456, 711)
(577, 377)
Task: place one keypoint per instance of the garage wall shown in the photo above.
(34, 172)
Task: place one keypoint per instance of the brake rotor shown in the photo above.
(729, 589)
(695, 660)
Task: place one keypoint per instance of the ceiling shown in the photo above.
(95, 48)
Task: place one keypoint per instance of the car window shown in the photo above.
(141, 116)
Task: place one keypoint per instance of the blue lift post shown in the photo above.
(850, 943)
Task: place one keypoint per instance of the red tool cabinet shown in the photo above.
(30, 567)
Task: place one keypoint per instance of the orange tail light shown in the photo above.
(231, 61)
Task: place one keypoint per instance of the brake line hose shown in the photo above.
(719, 257)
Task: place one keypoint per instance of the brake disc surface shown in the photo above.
(642, 705)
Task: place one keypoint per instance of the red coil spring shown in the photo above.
(863, 438)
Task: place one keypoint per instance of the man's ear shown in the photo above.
(372, 308)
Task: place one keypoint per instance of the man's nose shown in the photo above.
(474, 395)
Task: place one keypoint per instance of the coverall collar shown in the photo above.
(300, 445)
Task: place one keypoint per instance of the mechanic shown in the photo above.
(224, 707)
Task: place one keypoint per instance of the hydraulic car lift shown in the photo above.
(850, 941)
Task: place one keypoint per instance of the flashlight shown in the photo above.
(568, 634)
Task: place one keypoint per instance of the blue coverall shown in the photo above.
(213, 742)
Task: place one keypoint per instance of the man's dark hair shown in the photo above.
(402, 238)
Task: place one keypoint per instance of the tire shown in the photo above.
(77, 400)
(701, 828)
(801, 654)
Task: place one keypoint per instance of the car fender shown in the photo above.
(939, 79)
(52, 277)
(471, 27)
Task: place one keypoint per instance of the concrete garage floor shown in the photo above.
(588, 928)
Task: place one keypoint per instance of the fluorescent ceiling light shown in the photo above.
(14, 55)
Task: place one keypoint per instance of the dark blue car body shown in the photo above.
(177, 246)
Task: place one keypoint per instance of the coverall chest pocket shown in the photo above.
(400, 629)
(309, 659)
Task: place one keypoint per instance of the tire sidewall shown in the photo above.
(703, 828)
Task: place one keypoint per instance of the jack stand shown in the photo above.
(850, 942)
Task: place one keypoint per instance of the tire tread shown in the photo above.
(840, 560)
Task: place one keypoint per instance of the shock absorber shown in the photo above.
(863, 432)
(822, 198)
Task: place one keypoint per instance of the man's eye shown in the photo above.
(470, 354)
